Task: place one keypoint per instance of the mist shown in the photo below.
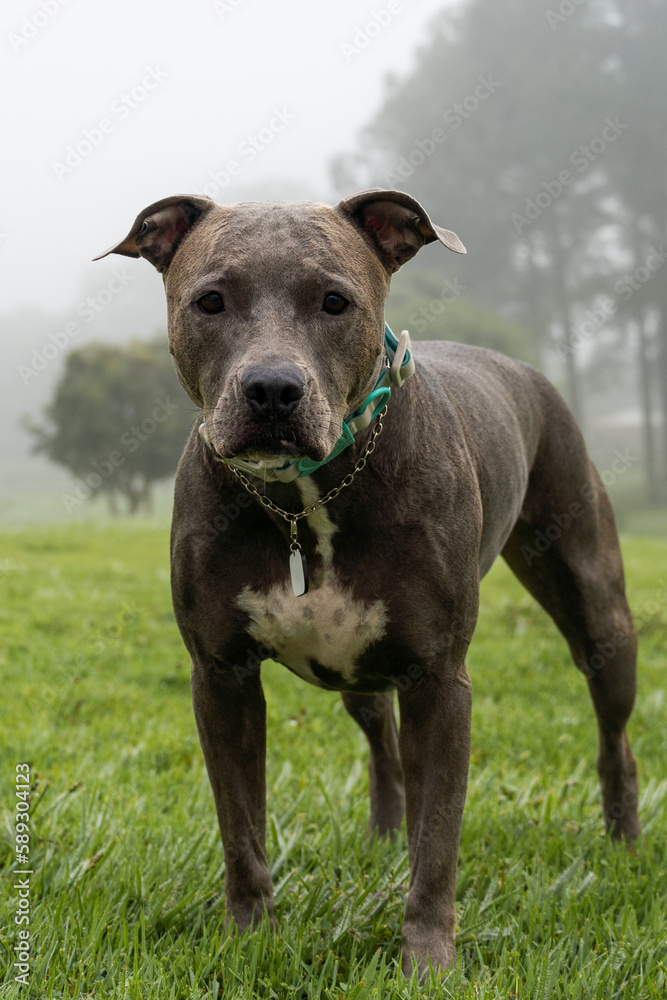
(115, 107)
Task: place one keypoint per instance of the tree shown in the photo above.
(118, 420)
(538, 135)
(636, 70)
(432, 309)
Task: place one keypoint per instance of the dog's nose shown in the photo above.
(273, 392)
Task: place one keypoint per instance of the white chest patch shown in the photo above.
(327, 625)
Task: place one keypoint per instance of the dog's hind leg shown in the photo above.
(375, 715)
(564, 549)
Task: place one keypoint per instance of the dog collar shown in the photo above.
(401, 366)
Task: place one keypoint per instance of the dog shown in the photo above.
(337, 507)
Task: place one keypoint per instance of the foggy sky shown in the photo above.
(267, 85)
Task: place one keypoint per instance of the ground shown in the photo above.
(126, 892)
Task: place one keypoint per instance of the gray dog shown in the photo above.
(355, 559)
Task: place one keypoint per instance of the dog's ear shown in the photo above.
(158, 230)
(396, 224)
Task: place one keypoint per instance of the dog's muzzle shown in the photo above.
(266, 381)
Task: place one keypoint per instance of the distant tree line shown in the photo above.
(539, 135)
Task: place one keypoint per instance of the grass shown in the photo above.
(126, 893)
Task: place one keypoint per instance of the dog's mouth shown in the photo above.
(269, 444)
(270, 453)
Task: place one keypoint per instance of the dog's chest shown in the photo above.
(320, 635)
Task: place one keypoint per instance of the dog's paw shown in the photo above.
(251, 915)
(421, 947)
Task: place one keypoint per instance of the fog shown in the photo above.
(182, 90)
(111, 107)
(214, 77)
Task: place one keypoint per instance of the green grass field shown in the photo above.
(126, 896)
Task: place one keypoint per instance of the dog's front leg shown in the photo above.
(231, 720)
(434, 744)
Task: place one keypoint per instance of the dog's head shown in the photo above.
(276, 311)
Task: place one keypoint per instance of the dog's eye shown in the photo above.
(211, 303)
(334, 303)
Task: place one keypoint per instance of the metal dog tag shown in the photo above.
(298, 570)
